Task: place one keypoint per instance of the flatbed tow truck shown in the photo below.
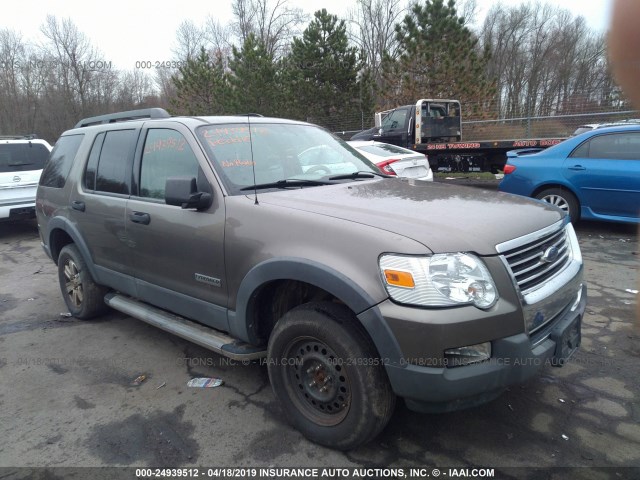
(434, 127)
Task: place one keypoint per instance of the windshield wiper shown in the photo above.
(359, 174)
(286, 183)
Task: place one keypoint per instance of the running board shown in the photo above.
(194, 332)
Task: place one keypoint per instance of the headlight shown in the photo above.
(441, 280)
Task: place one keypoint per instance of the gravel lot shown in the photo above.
(67, 399)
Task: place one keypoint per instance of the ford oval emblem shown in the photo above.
(550, 255)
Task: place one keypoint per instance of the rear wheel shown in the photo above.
(84, 298)
(563, 199)
(325, 371)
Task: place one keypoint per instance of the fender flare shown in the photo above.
(291, 268)
(64, 224)
(319, 275)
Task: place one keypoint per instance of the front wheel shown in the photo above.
(563, 199)
(326, 373)
(84, 297)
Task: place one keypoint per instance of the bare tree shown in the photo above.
(219, 37)
(273, 22)
(545, 61)
(373, 32)
(134, 88)
(164, 83)
(76, 66)
(244, 13)
(22, 79)
(12, 55)
(189, 39)
(468, 10)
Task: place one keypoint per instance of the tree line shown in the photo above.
(272, 59)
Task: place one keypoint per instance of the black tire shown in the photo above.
(563, 199)
(326, 373)
(84, 298)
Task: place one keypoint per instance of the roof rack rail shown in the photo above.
(249, 115)
(30, 136)
(123, 116)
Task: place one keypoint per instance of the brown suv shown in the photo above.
(233, 232)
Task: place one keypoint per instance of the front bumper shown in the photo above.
(515, 358)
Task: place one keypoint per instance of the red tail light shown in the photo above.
(509, 169)
(385, 166)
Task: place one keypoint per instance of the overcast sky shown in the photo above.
(126, 31)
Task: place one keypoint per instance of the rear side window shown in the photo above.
(582, 151)
(113, 174)
(22, 157)
(92, 163)
(57, 168)
(614, 146)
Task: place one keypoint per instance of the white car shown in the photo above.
(21, 161)
(592, 126)
(394, 160)
(324, 160)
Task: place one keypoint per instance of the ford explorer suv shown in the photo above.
(356, 288)
(21, 162)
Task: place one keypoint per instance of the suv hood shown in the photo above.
(444, 218)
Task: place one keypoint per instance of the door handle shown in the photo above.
(577, 167)
(77, 205)
(140, 217)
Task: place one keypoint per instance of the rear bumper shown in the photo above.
(17, 210)
(18, 202)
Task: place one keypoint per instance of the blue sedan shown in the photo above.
(592, 176)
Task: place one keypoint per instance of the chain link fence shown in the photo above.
(557, 126)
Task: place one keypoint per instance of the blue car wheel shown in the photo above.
(562, 199)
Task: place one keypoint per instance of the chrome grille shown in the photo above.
(535, 262)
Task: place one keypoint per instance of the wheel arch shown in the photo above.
(61, 232)
(560, 185)
(244, 321)
(575, 210)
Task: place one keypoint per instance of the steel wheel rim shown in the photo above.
(317, 381)
(73, 284)
(558, 201)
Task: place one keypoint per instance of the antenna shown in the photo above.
(253, 164)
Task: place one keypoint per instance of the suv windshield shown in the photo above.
(22, 157)
(279, 151)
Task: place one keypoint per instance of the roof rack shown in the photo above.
(31, 136)
(123, 117)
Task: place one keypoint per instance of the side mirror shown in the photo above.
(183, 192)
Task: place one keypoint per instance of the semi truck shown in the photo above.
(434, 127)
